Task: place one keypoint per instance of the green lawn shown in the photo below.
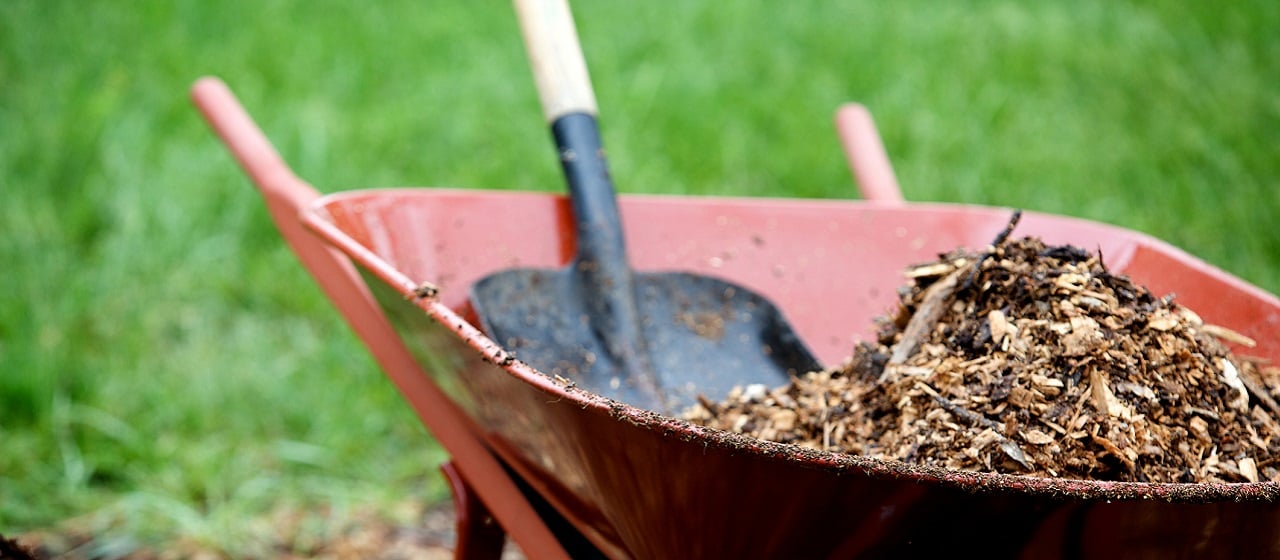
(168, 371)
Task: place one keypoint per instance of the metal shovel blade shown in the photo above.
(699, 335)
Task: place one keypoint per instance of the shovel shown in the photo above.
(652, 340)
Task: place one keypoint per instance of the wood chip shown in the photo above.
(1164, 322)
(932, 306)
(1248, 469)
(1002, 332)
(1228, 335)
(932, 270)
(1036, 437)
(1231, 376)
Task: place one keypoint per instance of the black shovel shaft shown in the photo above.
(595, 206)
(601, 271)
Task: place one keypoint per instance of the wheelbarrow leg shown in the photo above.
(866, 154)
(479, 536)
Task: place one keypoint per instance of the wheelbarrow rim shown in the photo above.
(316, 217)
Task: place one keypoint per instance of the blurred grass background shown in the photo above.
(169, 372)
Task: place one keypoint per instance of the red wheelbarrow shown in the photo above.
(567, 472)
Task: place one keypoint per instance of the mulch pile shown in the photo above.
(1033, 359)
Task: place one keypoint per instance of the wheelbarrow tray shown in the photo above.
(644, 485)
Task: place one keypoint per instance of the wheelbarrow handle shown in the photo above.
(249, 145)
(866, 155)
(287, 197)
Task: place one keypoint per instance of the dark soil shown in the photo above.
(1033, 359)
(367, 536)
(13, 550)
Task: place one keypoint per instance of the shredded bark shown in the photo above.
(1032, 359)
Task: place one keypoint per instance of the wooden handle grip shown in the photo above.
(559, 69)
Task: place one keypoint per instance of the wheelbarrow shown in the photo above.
(566, 472)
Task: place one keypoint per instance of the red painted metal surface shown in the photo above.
(633, 481)
(479, 536)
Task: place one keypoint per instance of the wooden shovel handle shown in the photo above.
(555, 55)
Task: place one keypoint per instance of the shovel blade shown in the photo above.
(701, 335)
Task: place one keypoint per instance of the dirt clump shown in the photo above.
(14, 550)
(1032, 359)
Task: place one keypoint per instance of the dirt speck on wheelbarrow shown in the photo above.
(1032, 359)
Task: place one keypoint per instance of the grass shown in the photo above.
(168, 372)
